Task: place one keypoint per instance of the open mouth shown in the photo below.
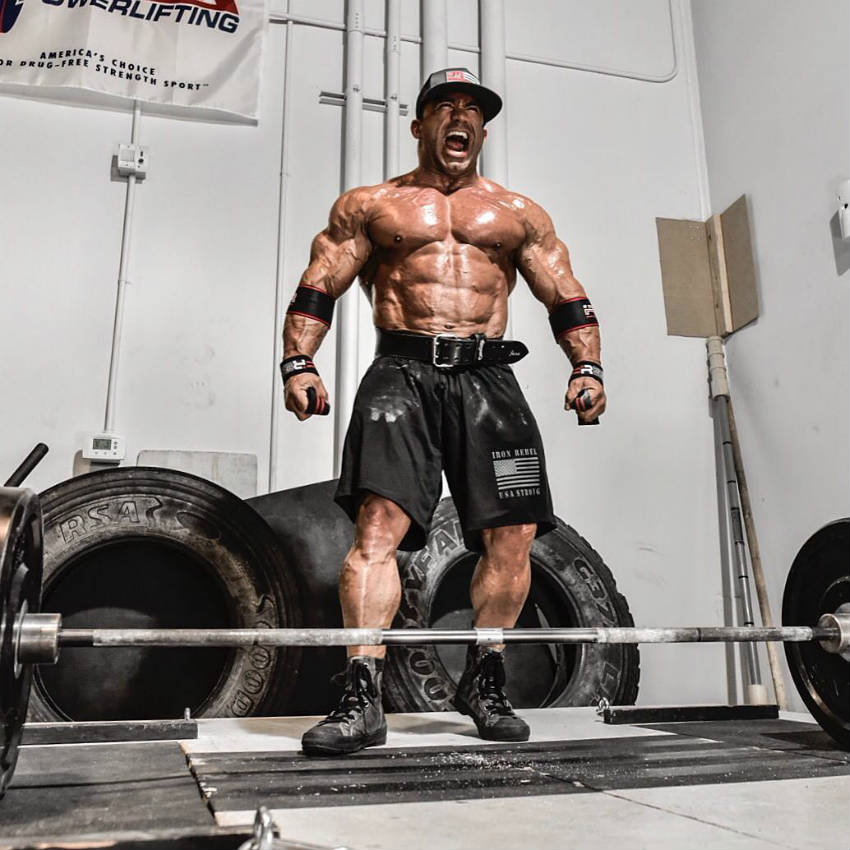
(458, 141)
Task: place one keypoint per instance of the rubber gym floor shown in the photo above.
(577, 783)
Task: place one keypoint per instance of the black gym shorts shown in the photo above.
(412, 419)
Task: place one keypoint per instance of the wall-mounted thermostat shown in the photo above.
(105, 448)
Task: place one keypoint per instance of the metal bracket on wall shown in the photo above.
(371, 104)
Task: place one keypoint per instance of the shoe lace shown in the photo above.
(360, 691)
(491, 682)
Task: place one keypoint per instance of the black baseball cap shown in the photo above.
(458, 79)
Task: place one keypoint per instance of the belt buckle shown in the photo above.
(435, 357)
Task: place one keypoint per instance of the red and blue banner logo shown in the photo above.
(9, 11)
(183, 56)
(215, 14)
(220, 5)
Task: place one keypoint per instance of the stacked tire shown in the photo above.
(155, 548)
(571, 587)
(142, 547)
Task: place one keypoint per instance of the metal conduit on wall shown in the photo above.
(280, 266)
(392, 60)
(348, 331)
(123, 265)
(491, 16)
(435, 36)
(665, 77)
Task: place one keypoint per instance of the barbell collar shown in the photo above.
(37, 638)
(394, 637)
(840, 623)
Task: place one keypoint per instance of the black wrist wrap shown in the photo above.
(587, 369)
(571, 315)
(312, 303)
(297, 365)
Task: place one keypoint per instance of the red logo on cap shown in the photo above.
(455, 77)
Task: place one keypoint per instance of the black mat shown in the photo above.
(101, 731)
(239, 781)
(633, 715)
(191, 838)
(69, 790)
(788, 735)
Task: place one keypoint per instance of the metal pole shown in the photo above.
(773, 651)
(392, 59)
(394, 637)
(348, 333)
(720, 396)
(123, 264)
(494, 155)
(281, 284)
(742, 573)
(435, 36)
(491, 14)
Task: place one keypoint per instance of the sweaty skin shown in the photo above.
(437, 250)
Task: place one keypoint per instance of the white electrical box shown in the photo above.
(105, 448)
(132, 159)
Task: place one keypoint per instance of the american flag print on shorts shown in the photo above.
(517, 472)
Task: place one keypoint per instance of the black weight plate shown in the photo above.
(819, 581)
(20, 590)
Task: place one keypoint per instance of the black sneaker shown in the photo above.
(480, 695)
(358, 720)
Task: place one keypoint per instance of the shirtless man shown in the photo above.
(437, 251)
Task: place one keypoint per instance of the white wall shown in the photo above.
(774, 81)
(195, 371)
(605, 154)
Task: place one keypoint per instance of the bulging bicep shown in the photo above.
(340, 251)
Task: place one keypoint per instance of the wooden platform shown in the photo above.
(235, 781)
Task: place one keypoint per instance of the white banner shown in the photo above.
(187, 54)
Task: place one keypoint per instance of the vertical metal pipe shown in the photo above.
(435, 36)
(124, 262)
(682, 30)
(494, 161)
(491, 16)
(281, 284)
(348, 331)
(392, 60)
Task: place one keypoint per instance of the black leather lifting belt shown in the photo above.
(446, 351)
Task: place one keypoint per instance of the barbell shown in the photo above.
(29, 637)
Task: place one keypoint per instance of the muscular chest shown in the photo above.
(413, 221)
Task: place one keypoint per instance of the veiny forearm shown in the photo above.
(582, 344)
(302, 335)
(545, 263)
